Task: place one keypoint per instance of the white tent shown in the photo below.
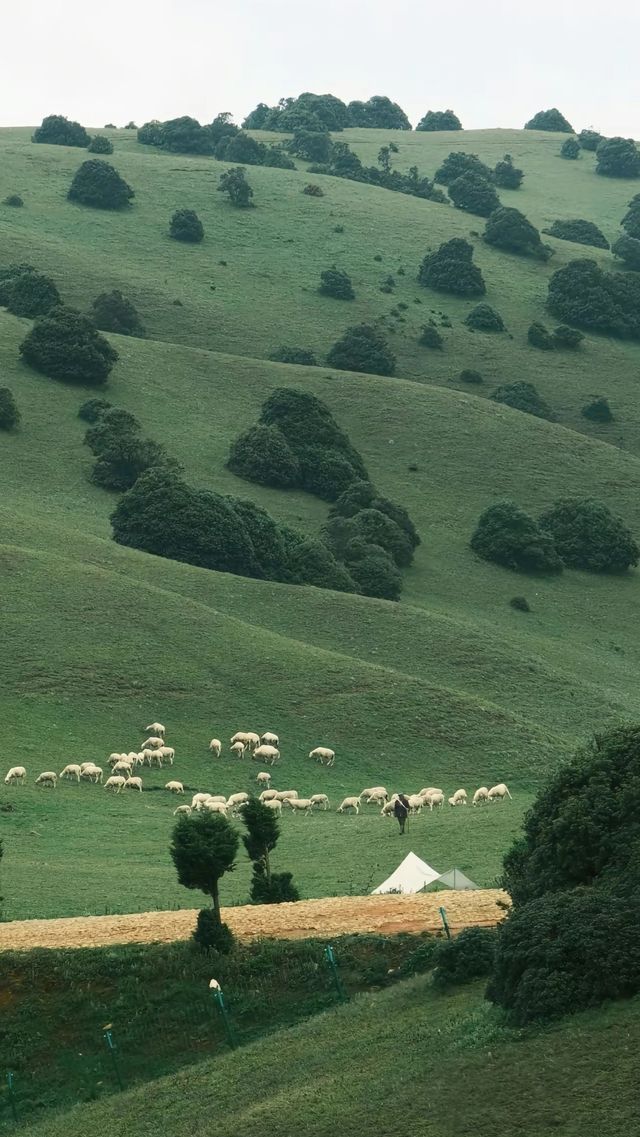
(410, 876)
(454, 879)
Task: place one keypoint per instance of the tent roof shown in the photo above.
(410, 876)
(455, 879)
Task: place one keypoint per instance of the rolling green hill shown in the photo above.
(450, 686)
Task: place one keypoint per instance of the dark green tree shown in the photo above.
(113, 312)
(598, 410)
(538, 336)
(31, 294)
(618, 158)
(300, 355)
(451, 269)
(469, 375)
(509, 229)
(9, 414)
(151, 133)
(378, 113)
(100, 144)
(506, 175)
(566, 337)
(59, 131)
(570, 149)
(468, 957)
(631, 220)
(221, 127)
(99, 184)
(325, 472)
(260, 840)
(364, 495)
(203, 848)
(484, 318)
(312, 562)
(334, 282)
(627, 249)
(523, 396)
(65, 345)
(439, 120)
(277, 157)
(590, 139)
(430, 337)
(14, 200)
(362, 348)
(458, 163)
(241, 148)
(269, 545)
(549, 120)
(262, 454)
(508, 536)
(236, 185)
(373, 570)
(588, 536)
(581, 293)
(311, 145)
(579, 231)
(186, 226)
(91, 410)
(474, 194)
(184, 135)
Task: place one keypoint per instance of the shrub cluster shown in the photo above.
(484, 318)
(99, 184)
(549, 120)
(27, 293)
(627, 249)
(326, 112)
(539, 337)
(313, 190)
(342, 162)
(185, 225)
(458, 163)
(362, 348)
(631, 220)
(9, 414)
(451, 269)
(590, 139)
(100, 144)
(598, 410)
(65, 345)
(506, 175)
(121, 453)
(439, 120)
(468, 375)
(14, 200)
(570, 149)
(374, 537)
(508, 536)
(59, 131)
(523, 396)
(618, 158)
(580, 232)
(581, 293)
(334, 282)
(474, 193)
(221, 138)
(236, 185)
(509, 229)
(468, 957)
(430, 337)
(113, 312)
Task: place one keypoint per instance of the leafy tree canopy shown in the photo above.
(99, 184)
(588, 536)
(362, 348)
(549, 120)
(474, 193)
(439, 120)
(59, 131)
(65, 345)
(523, 396)
(458, 163)
(618, 158)
(113, 312)
(579, 231)
(508, 536)
(450, 269)
(509, 229)
(186, 226)
(581, 293)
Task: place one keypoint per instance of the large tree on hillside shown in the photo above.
(203, 848)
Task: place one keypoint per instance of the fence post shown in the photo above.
(443, 917)
(216, 989)
(330, 957)
(12, 1098)
(111, 1047)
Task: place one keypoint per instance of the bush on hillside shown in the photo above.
(474, 194)
(618, 158)
(65, 345)
(8, 275)
(579, 231)
(538, 336)
(570, 149)
(279, 889)
(300, 355)
(377, 113)
(439, 120)
(631, 220)
(565, 337)
(549, 120)
(59, 131)
(373, 570)
(334, 282)
(182, 135)
(110, 424)
(186, 226)
(590, 139)
(468, 375)
(325, 472)
(306, 420)
(100, 144)
(262, 454)
(520, 604)
(32, 294)
(113, 312)
(267, 539)
(468, 957)
(128, 457)
(430, 337)
(311, 145)
(451, 269)
(210, 935)
(377, 528)
(241, 148)
(627, 249)
(99, 184)
(9, 414)
(312, 562)
(14, 200)
(484, 318)
(506, 175)
(581, 293)
(588, 536)
(458, 163)
(362, 348)
(312, 190)
(364, 495)
(509, 229)
(234, 183)
(151, 133)
(277, 158)
(523, 397)
(508, 536)
(598, 410)
(92, 409)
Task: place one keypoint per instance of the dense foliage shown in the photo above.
(185, 225)
(474, 193)
(549, 120)
(627, 249)
(121, 453)
(598, 410)
(260, 840)
(570, 149)
(343, 162)
(509, 229)
(91, 409)
(468, 957)
(538, 336)
(579, 231)
(301, 355)
(334, 282)
(263, 455)
(430, 337)
(203, 848)
(484, 318)
(566, 337)
(65, 345)
(326, 112)
(30, 294)
(362, 348)
(378, 113)
(618, 158)
(100, 144)
(9, 414)
(99, 184)
(14, 200)
(451, 269)
(588, 536)
(508, 536)
(113, 312)
(458, 163)
(631, 220)
(439, 120)
(59, 131)
(523, 396)
(506, 175)
(590, 139)
(236, 185)
(581, 293)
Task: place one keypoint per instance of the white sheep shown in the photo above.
(133, 757)
(430, 790)
(268, 795)
(217, 797)
(215, 807)
(237, 799)
(239, 736)
(175, 787)
(215, 746)
(498, 792)
(16, 774)
(122, 767)
(416, 803)
(197, 800)
(323, 755)
(388, 808)
(252, 739)
(153, 742)
(276, 806)
(349, 803)
(270, 754)
(48, 778)
(156, 728)
(115, 782)
(459, 797)
(375, 792)
(71, 771)
(299, 804)
(481, 794)
(320, 800)
(282, 795)
(133, 784)
(270, 739)
(182, 809)
(263, 779)
(93, 773)
(113, 758)
(168, 753)
(238, 748)
(433, 799)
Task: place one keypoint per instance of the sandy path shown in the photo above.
(322, 918)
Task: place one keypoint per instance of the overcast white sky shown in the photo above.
(495, 62)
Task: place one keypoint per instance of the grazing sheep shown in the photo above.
(498, 792)
(148, 757)
(416, 803)
(433, 799)
(113, 758)
(239, 736)
(197, 800)
(282, 795)
(153, 742)
(93, 773)
(175, 787)
(324, 756)
(122, 768)
(320, 800)
(215, 806)
(16, 774)
(349, 803)
(299, 804)
(133, 757)
(71, 771)
(215, 746)
(182, 809)
(460, 797)
(115, 782)
(430, 790)
(168, 753)
(270, 754)
(480, 795)
(216, 797)
(268, 795)
(133, 784)
(387, 809)
(374, 797)
(263, 779)
(252, 740)
(276, 806)
(156, 728)
(238, 748)
(48, 778)
(237, 799)
(270, 739)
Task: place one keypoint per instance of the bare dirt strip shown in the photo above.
(333, 916)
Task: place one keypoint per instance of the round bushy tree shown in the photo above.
(588, 536)
(59, 131)
(125, 459)
(458, 163)
(631, 220)
(186, 226)
(268, 543)
(312, 562)
(364, 495)
(100, 144)
(570, 149)
(549, 120)
(324, 472)
(8, 276)
(484, 318)
(203, 848)
(311, 145)
(581, 293)
(439, 120)
(14, 200)
(92, 409)
(32, 294)
(474, 193)
(451, 269)
(506, 175)
(151, 133)
(65, 345)
(376, 528)
(598, 410)
(99, 184)
(508, 536)
(627, 249)
(590, 139)
(430, 337)
(377, 113)
(579, 231)
(566, 337)
(334, 282)
(363, 348)
(468, 375)
(112, 312)
(262, 454)
(373, 570)
(509, 229)
(300, 355)
(234, 183)
(185, 135)
(618, 158)
(468, 957)
(9, 413)
(538, 336)
(523, 397)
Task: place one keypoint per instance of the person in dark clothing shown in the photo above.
(401, 811)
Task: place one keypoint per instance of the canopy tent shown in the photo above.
(454, 879)
(410, 876)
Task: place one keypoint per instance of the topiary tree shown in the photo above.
(14, 200)
(430, 337)
(234, 183)
(579, 231)
(539, 337)
(484, 318)
(100, 144)
(451, 269)
(509, 229)
(373, 570)
(113, 312)
(185, 225)
(262, 454)
(506, 175)
(59, 131)
(618, 158)
(65, 345)
(549, 120)
(99, 184)
(362, 348)
(570, 149)
(474, 193)
(92, 409)
(468, 957)
(458, 163)
(468, 375)
(334, 282)
(590, 139)
(508, 536)
(203, 848)
(598, 410)
(523, 397)
(588, 536)
(627, 249)
(300, 355)
(31, 294)
(565, 337)
(439, 120)
(260, 840)
(9, 414)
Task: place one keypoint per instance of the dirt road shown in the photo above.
(323, 918)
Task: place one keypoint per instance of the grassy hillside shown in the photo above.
(404, 1057)
(451, 686)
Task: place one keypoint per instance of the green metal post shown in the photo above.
(330, 957)
(219, 998)
(12, 1098)
(111, 1047)
(443, 917)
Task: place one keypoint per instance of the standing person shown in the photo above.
(401, 811)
